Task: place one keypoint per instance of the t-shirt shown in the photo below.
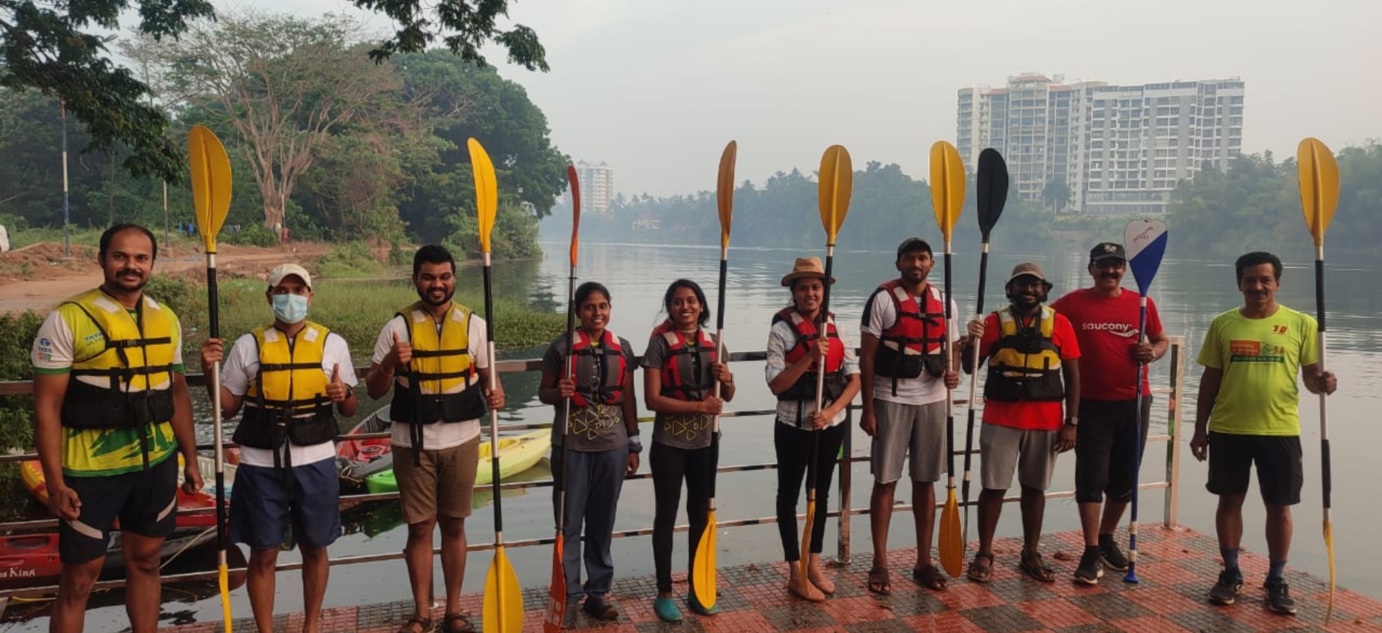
(1044, 415)
(1107, 330)
(600, 426)
(880, 315)
(1260, 359)
(678, 430)
(782, 337)
(442, 434)
(68, 333)
(242, 367)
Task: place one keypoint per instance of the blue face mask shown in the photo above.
(290, 308)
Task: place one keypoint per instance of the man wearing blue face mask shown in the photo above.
(289, 377)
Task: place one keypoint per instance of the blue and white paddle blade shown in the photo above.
(1145, 241)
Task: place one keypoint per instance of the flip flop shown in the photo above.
(426, 626)
(929, 577)
(979, 572)
(879, 582)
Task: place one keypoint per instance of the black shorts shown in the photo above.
(1280, 471)
(145, 501)
(1104, 447)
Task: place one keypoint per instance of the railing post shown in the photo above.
(1173, 409)
(846, 462)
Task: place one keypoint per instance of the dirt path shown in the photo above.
(38, 277)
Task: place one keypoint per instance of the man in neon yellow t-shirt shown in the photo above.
(1248, 412)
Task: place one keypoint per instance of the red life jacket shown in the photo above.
(608, 360)
(804, 389)
(916, 338)
(686, 369)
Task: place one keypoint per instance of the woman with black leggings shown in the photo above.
(807, 439)
(680, 367)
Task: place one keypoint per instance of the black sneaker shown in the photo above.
(1225, 592)
(1113, 557)
(1091, 569)
(1279, 597)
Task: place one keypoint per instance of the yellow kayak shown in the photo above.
(517, 453)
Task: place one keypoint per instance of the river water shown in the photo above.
(1188, 294)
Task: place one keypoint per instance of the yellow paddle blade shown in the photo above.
(503, 610)
(1318, 175)
(211, 183)
(1329, 548)
(952, 544)
(486, 191)
(724, 191)
(224, 580)
(837, 182)
(703, 567)
(947, 186)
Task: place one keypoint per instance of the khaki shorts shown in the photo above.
(441, 485)
(903, 429)
(1003, 449)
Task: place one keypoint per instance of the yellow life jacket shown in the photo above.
(287, 398)
(439, 385)
(1025, 362)
(135, 358)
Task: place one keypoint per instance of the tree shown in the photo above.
(1056, 195)
(59, 48)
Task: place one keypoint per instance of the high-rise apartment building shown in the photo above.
(597, 186)
(1119, 149)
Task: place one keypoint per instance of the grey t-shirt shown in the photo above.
(678, 430)
(600, 426)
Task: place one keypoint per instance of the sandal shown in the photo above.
(599, 609)
(879, 582)
(929, 577)
(1035, 568)
(465, 626)
(426, 626)
(979, 572)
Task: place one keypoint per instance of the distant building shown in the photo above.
(597, 186)
(1119, 149)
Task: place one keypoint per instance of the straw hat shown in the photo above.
(805, 267)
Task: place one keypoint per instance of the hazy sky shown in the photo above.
(656, 88)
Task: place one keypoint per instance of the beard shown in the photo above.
(427, 295)
(117, 280)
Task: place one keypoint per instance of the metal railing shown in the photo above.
(1175, 390)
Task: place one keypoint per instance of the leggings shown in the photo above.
(670, 466)
(793, 455)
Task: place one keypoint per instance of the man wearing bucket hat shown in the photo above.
(1107, 449)
(1030, 399)
(903, 339)
(796, 352)
(288, 376)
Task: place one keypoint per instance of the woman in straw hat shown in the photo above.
(796, 353)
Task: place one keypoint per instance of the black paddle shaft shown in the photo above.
(1319, 318)
(719, 347)
(945, 349)
(494, 458)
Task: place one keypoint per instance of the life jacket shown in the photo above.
(286, 401)
(442, 361)
(686, 369)
(1025, 363)
(605, 361)
(137, 361)
(804, 389)
(916, 339)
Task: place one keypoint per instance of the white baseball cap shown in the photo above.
(284, 270)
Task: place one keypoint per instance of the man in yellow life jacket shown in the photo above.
(433, 354)
(288, 377)
(1033, 359)
(111, 409)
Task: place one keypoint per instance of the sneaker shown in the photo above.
(1091, 569)
(1279, 597)
(1113, 557)
(1225, 592)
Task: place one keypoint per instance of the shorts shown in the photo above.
(1104, 449)
(918, 429)
(262, 506)
(1280, 471)
(441, 485)
(1003, 449)
(145, 501)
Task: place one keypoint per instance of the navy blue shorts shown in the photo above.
(145, 501)
(261, 507)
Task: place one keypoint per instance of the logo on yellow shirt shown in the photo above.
(1242, 351)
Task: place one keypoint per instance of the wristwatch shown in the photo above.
(1072, 421)
(635, 444)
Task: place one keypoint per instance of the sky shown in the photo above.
(656, 88)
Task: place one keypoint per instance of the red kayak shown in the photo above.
(32, 474)
(28, 558)
(357, 459)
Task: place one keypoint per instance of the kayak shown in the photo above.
(32, 474)
(28, 560)
(358, 459)
(207, 464)
(517, 453)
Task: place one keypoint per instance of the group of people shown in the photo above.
(112, 412)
